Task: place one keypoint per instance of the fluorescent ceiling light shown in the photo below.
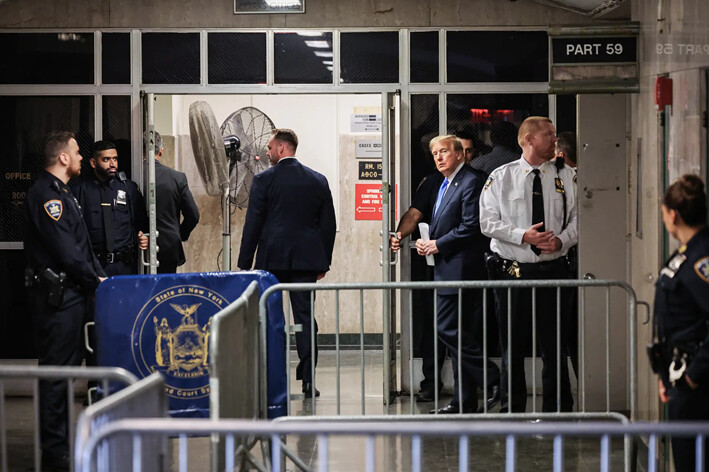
(323, 53)
(309, 33)
(327, 63)
(329, 68)
(319, 44)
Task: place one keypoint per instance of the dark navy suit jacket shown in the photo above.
(290, 218)
(173, 201)
(456, 229)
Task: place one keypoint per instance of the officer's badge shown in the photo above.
(54, 209)
(559, 185)
(121, 197)
(488, 183)
(702, 269)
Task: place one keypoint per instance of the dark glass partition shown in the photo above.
(369, 57)
(24, 121)
(47, 58)
(116, 128)
(303, 58)
(237, 58)
(497, 56)
(424, 57)
(493, 119)
(115, 58)
(170, 58)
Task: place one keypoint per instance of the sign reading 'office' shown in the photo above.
(594, 50)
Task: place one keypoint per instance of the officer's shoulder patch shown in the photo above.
(701, 267)
(54, 209)
(489, 182)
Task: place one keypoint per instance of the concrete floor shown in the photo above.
(348, 453)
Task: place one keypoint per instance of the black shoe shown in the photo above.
(425, 396)
(452, 409)
(308, 390)
(54, 464)
(492, 400)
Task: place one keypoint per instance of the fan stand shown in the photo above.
(226, 229)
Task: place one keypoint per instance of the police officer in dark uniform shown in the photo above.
(421, 211)
(114, 211)
(681, 352)
(62, 274)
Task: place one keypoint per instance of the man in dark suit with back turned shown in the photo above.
(291, 219)
(172, 199)
(458, 247)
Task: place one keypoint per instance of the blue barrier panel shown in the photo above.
(160, 323)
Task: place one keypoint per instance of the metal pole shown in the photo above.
(558, 350)
(152, 197)
(3, 433)
(226, 229)
(361, 348)
(313, 350)
(485, 359)
(337, 348)
(460, 353)
(411, 351)
(608, 349)
(534, 350)
(509, 361)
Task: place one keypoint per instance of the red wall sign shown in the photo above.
(368, 201)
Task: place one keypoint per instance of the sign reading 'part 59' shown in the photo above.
(594, 50)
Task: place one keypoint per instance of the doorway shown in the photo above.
(340, 136)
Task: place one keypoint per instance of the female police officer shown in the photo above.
(682, 313)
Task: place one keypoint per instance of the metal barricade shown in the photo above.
(104, 374)
(334, 444)
(624, 370)
(233, 371)
(144, 399)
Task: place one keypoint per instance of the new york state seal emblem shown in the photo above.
(171, 336)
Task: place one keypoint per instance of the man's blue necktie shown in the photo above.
(441, 191)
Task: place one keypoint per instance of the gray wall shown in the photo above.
(676, 23)
(319, 13)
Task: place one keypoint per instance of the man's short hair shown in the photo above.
(286, 136)
(99, 146)
(566, 143)
(531, 125)
(465, 134)
(158, 142)
(54, 144)
(457, 145)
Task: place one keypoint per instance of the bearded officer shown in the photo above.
(114, 211)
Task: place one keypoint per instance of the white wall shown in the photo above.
(327, 145)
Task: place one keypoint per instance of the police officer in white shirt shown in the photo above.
(528, 208)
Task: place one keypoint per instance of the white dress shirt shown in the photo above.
(506, 209)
